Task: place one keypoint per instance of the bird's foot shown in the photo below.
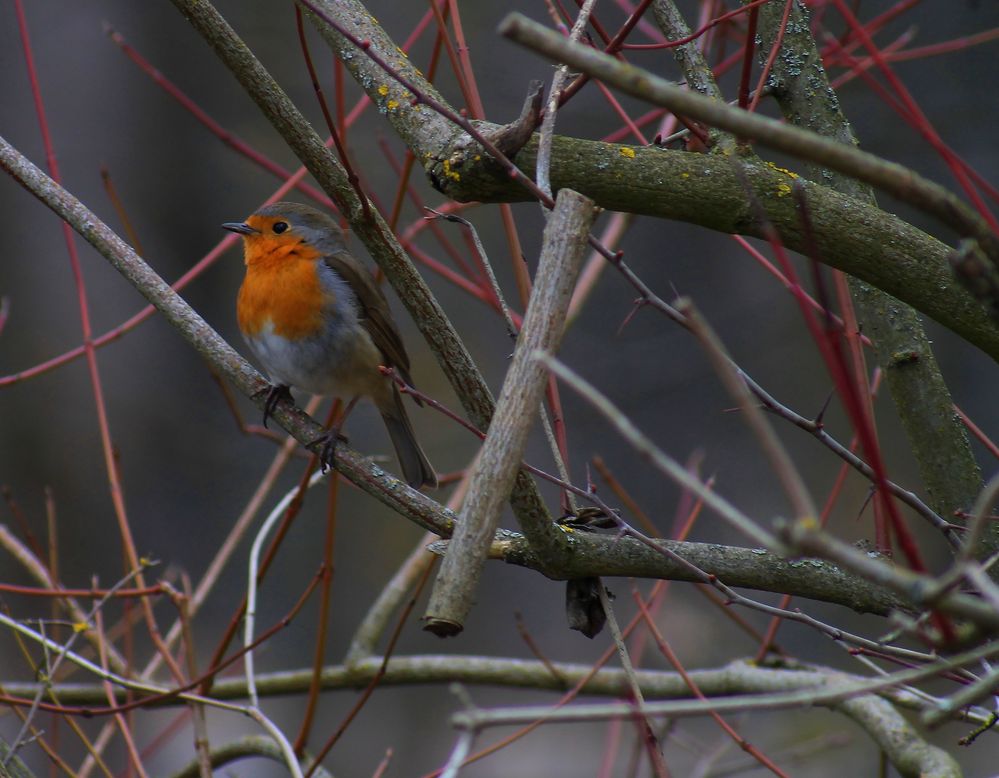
(275, 394)
(327, 454)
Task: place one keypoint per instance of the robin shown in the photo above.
(316, 320)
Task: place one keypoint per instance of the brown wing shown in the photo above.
(376, 317)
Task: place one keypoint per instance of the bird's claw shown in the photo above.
(327, 454)
(275, 394)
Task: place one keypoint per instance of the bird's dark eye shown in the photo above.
(280, 227)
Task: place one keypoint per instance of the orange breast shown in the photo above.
(281, 288)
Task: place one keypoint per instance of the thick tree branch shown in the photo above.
(697, 73)
(412, 119)
(876, 714)
(938, 439)
(249, 747)
(701, 189)
(485, 670)
(709, 191)
(877, 247)
(898, 181)
(752, 568)
(498, 462)
(923, 590)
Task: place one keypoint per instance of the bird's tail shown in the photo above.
(416, 468)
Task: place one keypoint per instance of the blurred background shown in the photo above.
(188, 471)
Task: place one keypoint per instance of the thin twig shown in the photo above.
(652, 746)
(547, 132)
(253, 565)
(813, 690)
(780, 461)
(657, 457)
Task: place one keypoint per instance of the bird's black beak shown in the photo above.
(240, 227)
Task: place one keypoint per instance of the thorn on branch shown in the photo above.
(819, 420)
(640, 303)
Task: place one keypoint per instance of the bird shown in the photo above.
(316, 320)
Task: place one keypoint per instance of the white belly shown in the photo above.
(343, 363)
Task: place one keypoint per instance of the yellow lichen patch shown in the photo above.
(809, 523)
(783, 188)
(784, 170)
(454, 175)
(383, 90)
(626, 151)
(392, 104)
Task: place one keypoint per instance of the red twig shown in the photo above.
(36, 591)
(568, 697)
(674, 660)
(156, 699)
(772, 56)
(465, 74)
(723, 18)
(406, 189)
(107, 446)
(352, 178)
(377, 679)
(916, 116)
(326, 575)
(979, 434)
(749, 49)
(231, 140)
(279, 535)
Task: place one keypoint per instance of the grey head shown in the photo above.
(312, 225)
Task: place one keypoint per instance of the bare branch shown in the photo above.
(499, 459)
